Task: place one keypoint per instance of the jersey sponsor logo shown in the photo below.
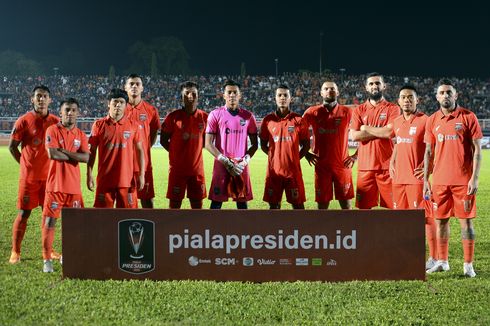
(143, 117)
(324, 131)
(136, 246)
(230, 131)
(440, 137)
(126, 134)
(76, 143)
(412, 131)
(400, 140)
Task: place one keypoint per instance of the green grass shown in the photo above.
(28, 296)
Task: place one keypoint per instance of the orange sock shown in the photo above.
(18, 231)
(469, 250)
(47, 241)
(430, 233)
(443, 248)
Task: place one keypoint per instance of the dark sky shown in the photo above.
(406, 38)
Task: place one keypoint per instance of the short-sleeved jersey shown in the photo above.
(116, 146)
(186, 141)
(374, 154)
(330, 133)
(64, 176)
(30, 130)
(410, 147)
(146, 116)
(284, 136)
(452, 136)
(231, 130)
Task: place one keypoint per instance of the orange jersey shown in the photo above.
(330, 133)
(374, 154)
(410, 147)
(30, 130)
(64, 176)
(116, 146)
(186, 141)
(452, 136)
(146, 116)
(284, 136)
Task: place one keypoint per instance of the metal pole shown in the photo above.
(321, 41)
(277, 62)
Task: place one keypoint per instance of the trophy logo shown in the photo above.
(136, 246)
(135, 233)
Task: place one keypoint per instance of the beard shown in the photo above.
(446, 104)
(329, 99)
(376, 97)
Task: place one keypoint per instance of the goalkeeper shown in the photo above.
(228, 130)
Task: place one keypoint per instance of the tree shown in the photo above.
(16, 63)
(166, 53)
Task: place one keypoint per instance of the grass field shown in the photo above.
(28, 296)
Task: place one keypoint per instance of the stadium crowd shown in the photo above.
(258, 95)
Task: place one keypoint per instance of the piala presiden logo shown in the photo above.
(136, 246)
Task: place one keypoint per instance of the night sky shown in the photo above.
(405, 39)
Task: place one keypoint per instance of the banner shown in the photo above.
(243, 245)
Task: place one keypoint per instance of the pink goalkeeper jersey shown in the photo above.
(231, 130)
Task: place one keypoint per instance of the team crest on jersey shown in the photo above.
(217, 190)
(458, 126)
(290, 129)
(242, 122)
(382, 116)
(270, 192)
(143, 117)
(338, 121)
(201, 126)
(126, 134)
(412, 131)
(54, 205)
(76, 143)
(440, 137)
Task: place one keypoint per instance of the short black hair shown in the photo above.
(118, 93)
(231, 82)
(282, 86)
(188, 84)
(445, 81)
(131, 76)
(69, 100)
(41, 87)
(408, 86)
(374, 74)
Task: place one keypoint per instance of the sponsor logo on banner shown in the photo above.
(225, 261)
(136, 246)
(285, 261)
(262, 261)
(248, 261)
(194, 261)
(126, 134)
(316, 261)
(301, 261)
(331, 262)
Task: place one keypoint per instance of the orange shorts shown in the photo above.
(329, 179)
(410, 196)
(31, 194)
(55, 201)
(373, 187)
(123, 197)
(276, 185)
(178, 184)
(148, 191)
(453, 201)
